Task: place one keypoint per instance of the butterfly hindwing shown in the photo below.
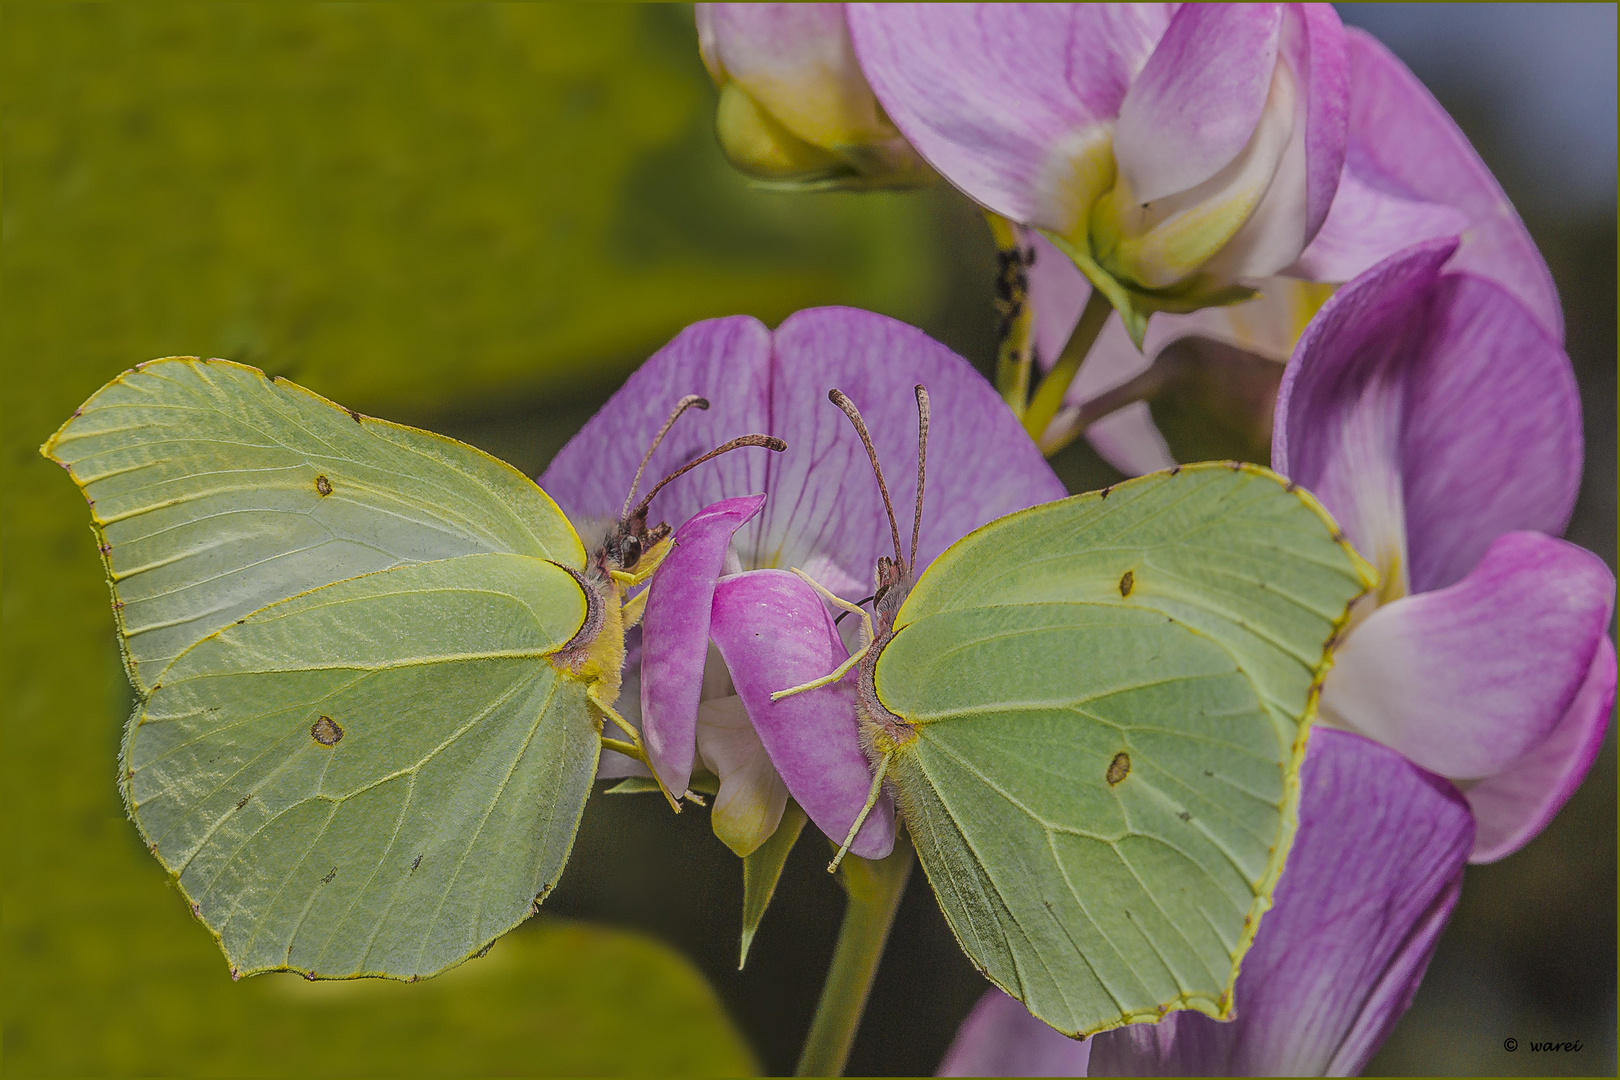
(377, 777)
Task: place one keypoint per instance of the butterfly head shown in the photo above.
(632, 542)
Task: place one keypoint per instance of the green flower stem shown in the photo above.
(1017, 320)
(874, 890)
(1049, 395)
(1073, 425)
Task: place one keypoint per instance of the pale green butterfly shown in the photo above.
(372, 662)
(1092, 715)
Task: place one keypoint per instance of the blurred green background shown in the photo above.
(479, 219)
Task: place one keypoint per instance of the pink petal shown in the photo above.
(748, 807)
(675, 635)
(1513, 806)
(1402, 142)
(822, 512)
(1493, 430)
(1468, 679)
(774, 632)
(825, 515)
(1195, 103)
(1366, 225)
(727, 361)
(990, 94)
(1373, 875)
(1322, 60)
(1482, 432)
(1001, 1038)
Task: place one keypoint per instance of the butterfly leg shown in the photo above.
(634, 608)
(842, 669)
(860, 819)
(632, 749)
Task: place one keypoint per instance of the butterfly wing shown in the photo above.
(352, 749)
(215, 491)
(1110, 696)
(377, 777)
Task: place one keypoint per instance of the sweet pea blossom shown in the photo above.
(794, 107)
(1176, 154)
(1410, 175)
(1373, 875)
(1438, 421)
(747, 522)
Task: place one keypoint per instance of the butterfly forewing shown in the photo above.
(1110, 695)
(215, 491)
(377, 777)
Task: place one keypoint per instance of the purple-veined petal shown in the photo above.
(994, 96)
(1467, 679)
(727, 361)
(1511, 807)
(1001, 1038)
(748, 807)
(1197, 100)
(1364, 226)
(774, 632)
(824, 514)
(1402, 142)
(1493, 430)
(822, 510)
(1373, 875)
(675, 635)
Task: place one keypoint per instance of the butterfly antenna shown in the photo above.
(690, 401)
(922, 468)
(837, 398)
(769, 442)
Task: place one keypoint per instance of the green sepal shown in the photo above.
(762, 870)
(702, 783)
(1135, 305)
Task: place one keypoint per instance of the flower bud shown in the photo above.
(794, 108)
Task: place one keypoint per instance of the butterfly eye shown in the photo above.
(629, 552)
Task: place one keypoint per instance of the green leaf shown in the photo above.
(761, 871)
(1102, 770)
(353, 750)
